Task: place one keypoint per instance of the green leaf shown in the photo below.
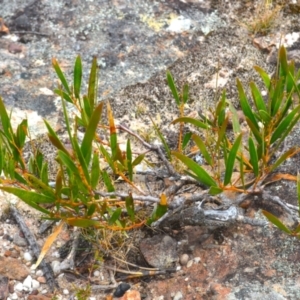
(115, 216)
(192, 121)
(186, 139)
(130, 207)
(264, 76)
(138, 160)
(91, 209)
(200, 144)
(54, 139)
(30, 198)
(87, 108)
(257, 97)
(86, 146)
(39, 185)
(173, 87)
(21, 133)
(214, 190)
(276, 221)
(5, 120)
(107, 181)
(284, 124)
(129, 160)
(284, 157)
(44, 173)
(63, 95)
(77, 77)
(283, 61)
(93, 84)
(235, 119)
(68, 162)
(159, 210)
(245, 105)
(255, 131)
(185, 93)
(221, 110)
(201, 174)
(253, 157)
(231, 159)
(83, 223)
(277, 97)
(266, 118)
(61, 75)
(81, 159)
(95, 172)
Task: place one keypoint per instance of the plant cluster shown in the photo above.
(84, 192)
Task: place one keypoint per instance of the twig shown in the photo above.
(123, 196)
(47, 270)
(155, 148)
(69, 262)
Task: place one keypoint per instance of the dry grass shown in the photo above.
(265, 18)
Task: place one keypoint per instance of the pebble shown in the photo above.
(18, 287)
(66, 292)
(56, 267)
(189, 263)
(39, 273)
(27, 256)
(96, 273)
(19, 241)
(197, 260)
(35, 284)
(14, 296)
(41, 279)
(184, 259)
(178, 296)
(27, 283)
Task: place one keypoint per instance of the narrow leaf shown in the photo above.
(30, 198)
(49, 242)
(173, 87)
(92, 89)
(115, 216)
(245, 104)
(291, 152)
(231, 159)
(185, 93)
(130, 207)
(253, 157)
(276, 221)
(89, 135)
(202, 148)
(61, 75)
(77, 76)
(257, 97)
(284, 124)
(54, 139)
(192, 121)
(95, 172)
(264, 76)
(129, 160)
(201, 174)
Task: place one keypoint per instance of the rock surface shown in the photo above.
(204, 43)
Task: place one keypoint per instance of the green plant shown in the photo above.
(81, 170)
(92, 164)
(253, 153)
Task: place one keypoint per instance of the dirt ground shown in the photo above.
(198, 41)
